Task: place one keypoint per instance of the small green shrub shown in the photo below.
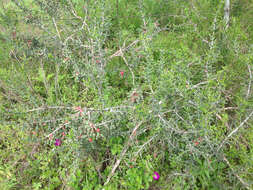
(102, 94)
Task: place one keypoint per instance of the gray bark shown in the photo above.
(226, 12)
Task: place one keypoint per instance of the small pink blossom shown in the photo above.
(156, 176)
(51, 136)
(78, 108)
(57, 142)
(66, 59)
(121, 74)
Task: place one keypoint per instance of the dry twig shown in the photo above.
(130, 69)
(234, 131)
(57, 130)
(121, 50)
(136, 154)
(240, 179)
(122, 154)
(250, 79)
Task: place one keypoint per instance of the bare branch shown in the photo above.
(56, 28)
(111, 109)
(220, 118)
(234, 131)
(240, 179)
(250, 79)
(49, 107)
(130, 69)
(230, 108)
(121, 50)
(226, 12)
(201, 83)
(57, 130)
(122, 154)
(136, 154)
(99, 124)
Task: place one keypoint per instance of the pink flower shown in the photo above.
(156, 176)
(78, 108)
(122, 73)
(57, 142)
(51, 136)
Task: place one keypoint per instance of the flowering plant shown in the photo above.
(156, 176)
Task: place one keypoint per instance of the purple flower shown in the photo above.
(156, 176)
(57, 142)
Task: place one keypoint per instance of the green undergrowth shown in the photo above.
(102, 94)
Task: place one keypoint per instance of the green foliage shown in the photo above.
(129, 88)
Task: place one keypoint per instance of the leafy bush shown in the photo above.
(102, 94)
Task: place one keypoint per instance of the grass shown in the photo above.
(129, 90)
